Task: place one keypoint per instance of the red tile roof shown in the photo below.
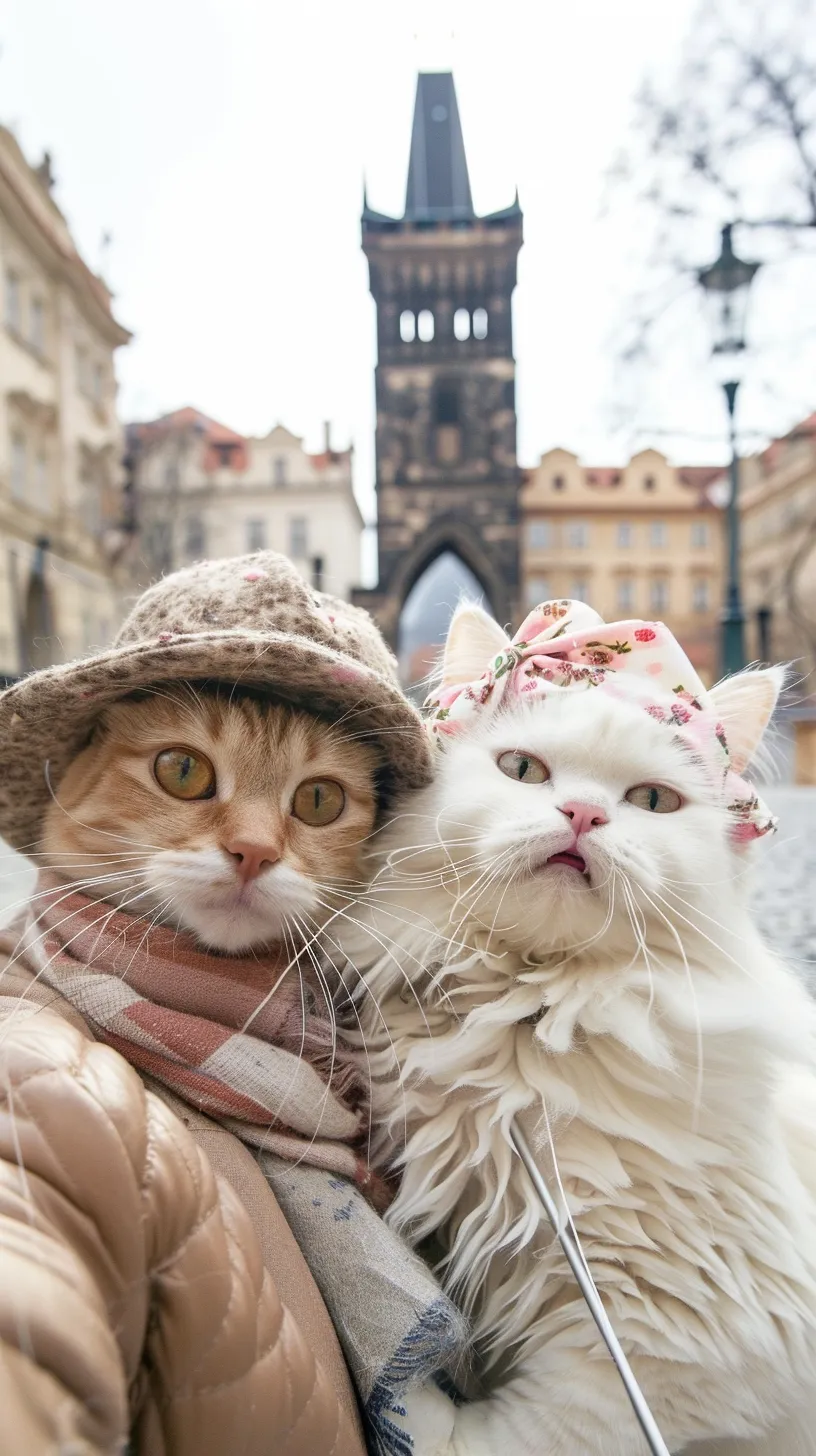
(770, 456)
(218, 440)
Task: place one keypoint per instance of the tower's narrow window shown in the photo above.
(425, 325)
(407, 326)
(480, 323)
(446, 405)
(448, 435)
(461, 325)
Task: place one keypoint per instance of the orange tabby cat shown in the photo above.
(224, 814)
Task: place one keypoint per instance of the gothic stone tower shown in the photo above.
(442, 279)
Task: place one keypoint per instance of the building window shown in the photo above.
(171, 477)
(195, 548)
(539, 534)
(658, 534)
(279, 470)
(446, 405)
(699, 533)
(41, 481)
(700, 597)
(538, 591)
(317, 573)
(81, 366)
(159, 547)
(578, 534)
(461, 325)
(626, 594)
(659, 595)
(298, 538)
(407, 326)
(558, 482)
(425, 325)
(36, 335)
(224, 454)
(98, 381)
(13, 309)
(649, 482)
(579, 591)
(480, 323)
(256, 535)
(19, 466)
(625, 533)
(91, 508)
(446, 420)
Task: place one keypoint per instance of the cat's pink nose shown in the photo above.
(251, 859)
(584, 816)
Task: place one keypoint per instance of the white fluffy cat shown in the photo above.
(559, 930)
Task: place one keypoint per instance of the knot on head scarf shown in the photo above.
(567, 645)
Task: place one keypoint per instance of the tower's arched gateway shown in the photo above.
(442, 279)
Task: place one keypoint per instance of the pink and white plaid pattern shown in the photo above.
(283, 1084)
(566, 645)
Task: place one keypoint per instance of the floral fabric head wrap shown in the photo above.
(564, 644)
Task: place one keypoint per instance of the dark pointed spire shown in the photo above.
(438, 184)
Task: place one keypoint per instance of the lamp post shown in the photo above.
(726, 285)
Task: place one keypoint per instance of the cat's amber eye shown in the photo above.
(185, 775)
(654, 797)
(318, 802)
(524, 767)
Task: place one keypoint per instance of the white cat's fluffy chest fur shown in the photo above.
(659, 1058)
(675, 1122)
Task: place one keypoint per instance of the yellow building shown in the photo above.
(60, 440)
(778, 501)
(644, 541)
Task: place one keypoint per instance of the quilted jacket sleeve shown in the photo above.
(133, 1297)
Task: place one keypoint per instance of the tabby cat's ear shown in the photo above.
(744, 704)
(474, 638)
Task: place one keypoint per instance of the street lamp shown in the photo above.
(726, 285)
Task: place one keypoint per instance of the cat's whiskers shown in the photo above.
(698, 1026)
(293, 964)
(156, 917)
(638, 924)
(103, 920)
(342, 913)
(84, 885)
(309, 929)
(94, 880)
(364, 1040)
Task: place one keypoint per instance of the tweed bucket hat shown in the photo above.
(251, 621)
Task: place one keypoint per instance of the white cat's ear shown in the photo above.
(744, 705)
(474, 637)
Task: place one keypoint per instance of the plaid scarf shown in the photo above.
(248, 1041)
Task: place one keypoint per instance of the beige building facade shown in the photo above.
(203, 490)
(61, 536)
(778, 510)
(643, 540)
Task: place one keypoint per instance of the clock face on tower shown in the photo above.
(442, 279)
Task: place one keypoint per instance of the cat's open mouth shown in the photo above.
(565, 856)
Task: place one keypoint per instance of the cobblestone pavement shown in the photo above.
(785, 886)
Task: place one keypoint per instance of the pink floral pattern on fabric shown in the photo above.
(566, 645)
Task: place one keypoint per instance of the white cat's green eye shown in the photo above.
(654, 797)
(185, 775)
(318, 802)
(523, 767)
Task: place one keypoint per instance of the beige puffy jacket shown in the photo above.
(145, 1299)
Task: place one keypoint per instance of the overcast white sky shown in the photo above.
(223, 144)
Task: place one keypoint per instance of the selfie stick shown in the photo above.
(587, 1287)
